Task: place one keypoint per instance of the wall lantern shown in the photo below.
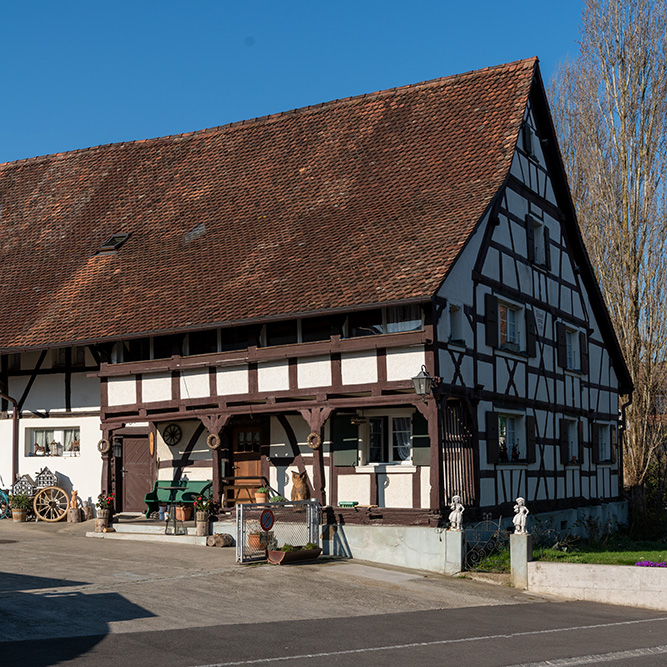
(424, 383)
(117, 447)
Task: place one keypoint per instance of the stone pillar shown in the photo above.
(521, 553)
(455, 551)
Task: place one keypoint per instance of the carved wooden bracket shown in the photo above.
(215, 423)
(316, 417)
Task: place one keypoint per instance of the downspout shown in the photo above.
(15, 435)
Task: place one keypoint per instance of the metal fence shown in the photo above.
(262, 527)
(483, 540)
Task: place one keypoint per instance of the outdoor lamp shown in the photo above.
(117, 447)
(424, 383)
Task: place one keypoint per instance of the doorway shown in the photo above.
(246, 463)
(137, 473)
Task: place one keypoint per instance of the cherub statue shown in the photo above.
(520, 514)
(456, 515)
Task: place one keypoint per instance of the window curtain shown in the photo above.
(70, 436)
(43, 439)
(402, 432)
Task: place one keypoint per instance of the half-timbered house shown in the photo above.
(216, 304)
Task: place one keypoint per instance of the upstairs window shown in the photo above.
(571, 441)
(509, 326)
(508, 318)
(603, 448)
(510, 437)
(538, 242)
(456, 324)
(572, 348)
(77, 357)
(395, 319)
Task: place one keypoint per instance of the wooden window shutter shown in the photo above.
(530, 238)
(345, 436)
(531, 439)
(527, 138)
(531, 334)
(492, 440)
(547, 248)
(564, 446)
(583, 351)
(561, 341)
(421, 444)
(581, 434)
(595, 443)
(491, 319)
(614, 444)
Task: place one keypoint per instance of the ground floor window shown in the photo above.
(511, 442)
(52, 442)
(389, 439)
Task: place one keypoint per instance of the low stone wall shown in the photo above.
(611, 584)
(418, 547)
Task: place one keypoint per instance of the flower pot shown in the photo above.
(19, 515)
(255, 542)
(183, 513)
(102, 520)
(298, 556)
(202, 523)
(261, 497)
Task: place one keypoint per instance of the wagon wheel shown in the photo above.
(50, 504)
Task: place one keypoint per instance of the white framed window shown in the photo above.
(61, 441)
(573, 441)
(604, 442)
(509, 326)
(511, 437)
(387, 438)
(572, 349)
(456, 323)
(394, 319)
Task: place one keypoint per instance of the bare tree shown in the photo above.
(610, 111)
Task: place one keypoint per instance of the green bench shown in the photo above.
(186, 493)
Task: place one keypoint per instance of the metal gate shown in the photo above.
(262, 527)
(483, 540)
(459, 461)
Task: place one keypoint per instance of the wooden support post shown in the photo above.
(429, 410)
(315, 419)
(214, 424)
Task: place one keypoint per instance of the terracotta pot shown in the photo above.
(255, 542)
(298, 556)
(19, 515)
(261, 497)
(183, 513)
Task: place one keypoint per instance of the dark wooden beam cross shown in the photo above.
(214, 425)
(315, 419)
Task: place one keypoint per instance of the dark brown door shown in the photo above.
(137, 473)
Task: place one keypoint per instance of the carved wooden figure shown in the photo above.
(300, 489)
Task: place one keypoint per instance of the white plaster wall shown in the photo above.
(404, 363)
(156, 388)
(122, 391)
(355, 487)
(200, 452)
(232, 380)
(273, 376)
(195, 384)
(394, 490)
(359, 367)
(82, 472)
(314, 372)
(425, 481)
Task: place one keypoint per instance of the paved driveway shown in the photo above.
(67, 599)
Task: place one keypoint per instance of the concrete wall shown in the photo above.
(610, 584)
(417, 547)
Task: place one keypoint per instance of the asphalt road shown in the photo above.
(65, 599)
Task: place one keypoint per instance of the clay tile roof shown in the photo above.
(360, 201)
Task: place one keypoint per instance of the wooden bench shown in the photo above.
(165, 492)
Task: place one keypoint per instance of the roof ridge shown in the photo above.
(251, 122)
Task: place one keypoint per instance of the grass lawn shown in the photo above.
(619, 552)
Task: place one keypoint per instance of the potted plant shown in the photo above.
(104, 506)
(289, 553)
(20, 504)
(183, 512)
(203, 508)
(254, 535)
(262, 494)
(278, 499)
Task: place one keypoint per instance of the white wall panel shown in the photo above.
(359, 367)
(122, 391)
(195, 384)
(404, 363)
(273, 376)
(314, 372)
(355, 487)
(232, 380)
(156, 388)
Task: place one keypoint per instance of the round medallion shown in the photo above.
(103, 446)
(172, 434)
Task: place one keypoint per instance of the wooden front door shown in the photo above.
(247, 462)
(137, 473)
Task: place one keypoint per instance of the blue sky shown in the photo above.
(82, 73)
